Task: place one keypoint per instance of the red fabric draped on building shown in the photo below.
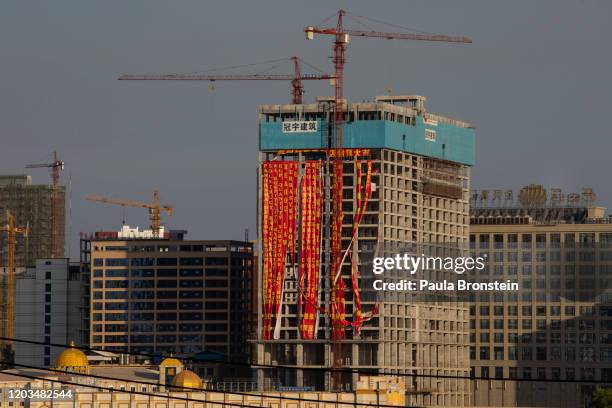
(279, 226)
(310, 254)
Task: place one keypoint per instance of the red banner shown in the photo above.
(279, 223)
(310, 254)
(338, 285)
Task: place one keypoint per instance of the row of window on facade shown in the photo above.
(501, 241)
(187, 261)
(569, 339)
(542, 373)
(170, 248)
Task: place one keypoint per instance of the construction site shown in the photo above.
(339, 182)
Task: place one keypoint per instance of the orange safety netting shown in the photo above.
(310, 254)
(279, 225)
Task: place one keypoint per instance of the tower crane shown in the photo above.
(297, 88)
(155, 209)
(7, 302)
(56, 166)
(342, 37)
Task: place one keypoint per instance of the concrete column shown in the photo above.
(354, 363)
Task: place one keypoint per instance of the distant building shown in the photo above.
(558, 326)
(168, 295)
(30, 204)
(47, 309)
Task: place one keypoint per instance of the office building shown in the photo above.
(405, 182)
(168, 295)
(47, 309)
(558, 326)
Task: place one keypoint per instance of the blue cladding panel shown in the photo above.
(272, 138)
(452, 143)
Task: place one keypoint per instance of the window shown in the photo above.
(166, 261)
(499, 372)
(526, 353)
(484, 372)
(541, 373)
(526, 371)
(512, 373)
(117, 262)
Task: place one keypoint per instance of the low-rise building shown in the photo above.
(78, 384)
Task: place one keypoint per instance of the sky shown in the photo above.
(536, 84)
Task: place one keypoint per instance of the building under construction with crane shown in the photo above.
(340, 183)
(32, 227)
(405, 180)
(31, 204)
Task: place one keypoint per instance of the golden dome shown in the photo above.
(71, 358)
(171, 362)
(187, 379)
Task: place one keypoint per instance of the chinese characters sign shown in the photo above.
(532, 195)
(300, 126)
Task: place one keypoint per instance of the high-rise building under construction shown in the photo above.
(404, 177)
(31, 205)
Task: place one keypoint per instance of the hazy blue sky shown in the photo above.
(536, 83)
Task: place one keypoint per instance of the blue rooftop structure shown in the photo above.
(379, 125)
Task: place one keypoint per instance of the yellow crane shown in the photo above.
(7, 303)
(155, 209)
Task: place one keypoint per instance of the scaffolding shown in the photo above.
(30, 204)
(7, 287)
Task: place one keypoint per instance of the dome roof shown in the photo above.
(187, 379)
(171, 362)
(71, 358)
